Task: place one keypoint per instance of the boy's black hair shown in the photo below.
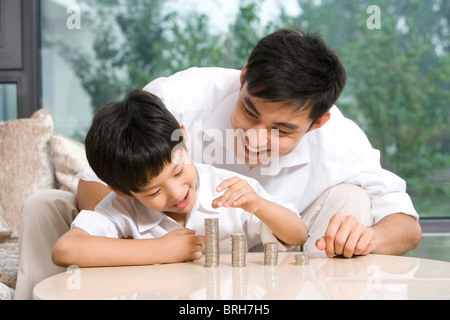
(130, 141)
(297, 68)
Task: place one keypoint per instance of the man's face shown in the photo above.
(174, 189)
(268, 128)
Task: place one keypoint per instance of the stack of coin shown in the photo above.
(238, 250)
(212, 277)
(271, 254)
(212, 242)
(301, 259)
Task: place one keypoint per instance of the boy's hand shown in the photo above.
(239, 195)
(182, 245)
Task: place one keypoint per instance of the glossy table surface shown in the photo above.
(364, 277)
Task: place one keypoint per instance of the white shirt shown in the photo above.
(202, 99)
(118, 217)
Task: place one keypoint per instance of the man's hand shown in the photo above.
(346, 236)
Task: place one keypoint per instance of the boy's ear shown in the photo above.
(243, 72)
(321, 121)
(121, 193)
(186, 137)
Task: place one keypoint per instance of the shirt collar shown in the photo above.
(146, 218)
(299, 156)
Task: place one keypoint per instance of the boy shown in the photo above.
(160, 197)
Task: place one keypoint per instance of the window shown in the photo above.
(8, 101)
(19, 65)
(396, 55)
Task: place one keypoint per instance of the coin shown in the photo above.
(212, 242)
(238, 250)
(271, 254)
(301, 259)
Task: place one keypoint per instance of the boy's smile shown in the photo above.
(173, 191)
(183, 203)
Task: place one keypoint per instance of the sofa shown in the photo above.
(33, 158)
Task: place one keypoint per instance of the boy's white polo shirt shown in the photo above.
(119, 217)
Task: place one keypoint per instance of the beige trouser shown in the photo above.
(344, 198)
(48, 214)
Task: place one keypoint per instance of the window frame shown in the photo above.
(435, 225)
(19, 53)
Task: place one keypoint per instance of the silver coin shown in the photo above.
(212, 242)
(271, 254)
(238, 250)
(302, 259)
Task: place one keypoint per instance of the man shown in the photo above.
(275, 121)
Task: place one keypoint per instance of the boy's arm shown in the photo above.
(77, 247)
(286, 225)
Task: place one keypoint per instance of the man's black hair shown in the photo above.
(130, 141)
(297, 68)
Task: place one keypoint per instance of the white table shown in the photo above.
(365, 277)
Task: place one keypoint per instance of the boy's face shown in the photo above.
(257, 118)
(174, 189)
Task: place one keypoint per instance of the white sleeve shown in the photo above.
(362, 167)
(155, 87)
(96, 224)
(386, 190)
(87, 174)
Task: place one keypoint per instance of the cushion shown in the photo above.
(26, 165)
(69, 157)
(6, 293)
(5, 230)
(9, 261)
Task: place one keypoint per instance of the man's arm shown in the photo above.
(89, 194)
(395, 234)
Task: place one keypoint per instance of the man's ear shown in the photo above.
(243, 73)
(321, 121)
(121, 193)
